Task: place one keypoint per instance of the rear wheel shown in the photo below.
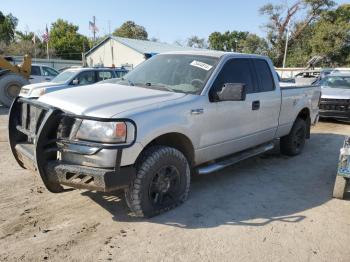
(162, 182)
(10, 86)
(294, 142)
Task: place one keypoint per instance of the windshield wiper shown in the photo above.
(159, 86)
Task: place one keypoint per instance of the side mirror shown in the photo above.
(232, 92)
(75, 82)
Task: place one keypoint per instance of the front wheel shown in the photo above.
(293, 143)
(162, 182)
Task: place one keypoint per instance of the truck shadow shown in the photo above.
(255, 192)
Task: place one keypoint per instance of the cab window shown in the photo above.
(264, 75)
(235, 71)
(35, 71)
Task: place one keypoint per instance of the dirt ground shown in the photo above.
(269, 208)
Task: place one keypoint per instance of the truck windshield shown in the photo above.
(336, 82)
(64, 76)
(173, 72)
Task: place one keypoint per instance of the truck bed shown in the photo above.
(294, 99)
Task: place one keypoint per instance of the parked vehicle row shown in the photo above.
(335, 101)
(69, 78)
(335, 87)
(41, 73)
(174, 115)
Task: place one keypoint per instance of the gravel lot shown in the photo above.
(269, 208)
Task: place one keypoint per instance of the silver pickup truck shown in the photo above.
(174, 115)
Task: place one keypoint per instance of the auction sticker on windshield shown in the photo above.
(201, 65)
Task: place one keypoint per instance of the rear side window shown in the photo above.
(86, 78)
(235, 71)
(120, 74)
(264, 75)
(35, 71)
(49, 71)
(103, 75)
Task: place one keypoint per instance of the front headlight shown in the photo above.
(105, 132)
(38, 92)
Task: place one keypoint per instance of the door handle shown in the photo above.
(256, 105)
(197, 111)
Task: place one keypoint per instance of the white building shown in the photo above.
(119, 51)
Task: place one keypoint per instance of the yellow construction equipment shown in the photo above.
(13, 77)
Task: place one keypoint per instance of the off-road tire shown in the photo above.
(340, 186)
(10, 81)
(155, 158)
(293, 143)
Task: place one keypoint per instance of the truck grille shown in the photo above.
(31, 118)
(342, 105)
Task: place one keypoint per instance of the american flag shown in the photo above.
(46, 36)
(93, 27)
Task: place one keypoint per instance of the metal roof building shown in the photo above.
(120, 51)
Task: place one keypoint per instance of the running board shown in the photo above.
(235, 159)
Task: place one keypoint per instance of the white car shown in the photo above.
(67, 79)
(42, 73)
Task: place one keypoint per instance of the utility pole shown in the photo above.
(94, 28)
(286, 46)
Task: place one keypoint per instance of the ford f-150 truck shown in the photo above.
(176, 114)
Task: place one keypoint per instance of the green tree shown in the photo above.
(228, 41)
(254, 44)
(331, 36)
(24, 45)
(196, 42)
(24, 36)
(8, 24)
(66, 41)
(298, 17)
(130, 29)
(300, 52)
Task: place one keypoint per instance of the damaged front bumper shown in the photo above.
(39, 140)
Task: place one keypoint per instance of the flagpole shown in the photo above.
(34, 40)
(47, 50)
(47, 38)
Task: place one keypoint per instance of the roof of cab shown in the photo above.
(214, 53)
(339, 74)
(88, 68)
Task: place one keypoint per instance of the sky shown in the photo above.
(168, 21)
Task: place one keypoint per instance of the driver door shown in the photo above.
(231, 126)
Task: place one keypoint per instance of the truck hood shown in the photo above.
(335, 93)
(39, 85)
(106, 100)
